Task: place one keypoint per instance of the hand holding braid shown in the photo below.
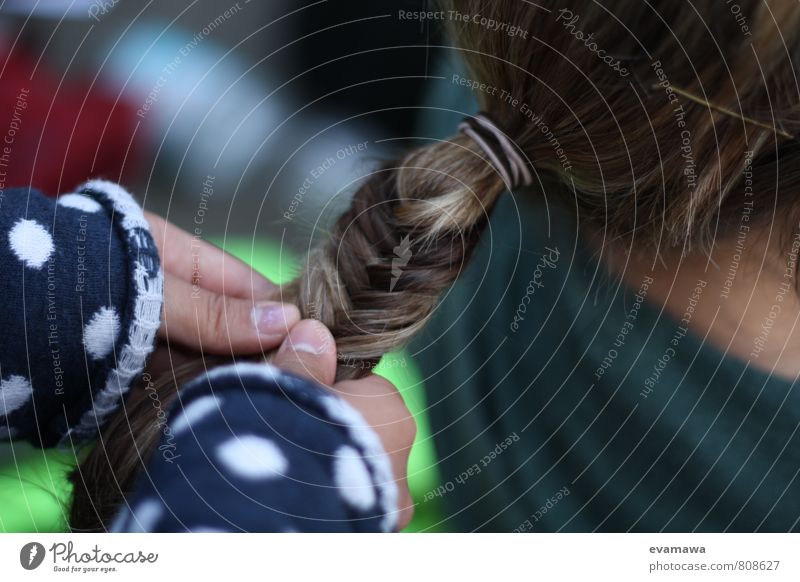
(408, 234)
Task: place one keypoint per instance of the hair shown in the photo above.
(659, 121)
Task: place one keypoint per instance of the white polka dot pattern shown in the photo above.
(145, 516)
(15, 392)
(101, 333)
(264, 454)
(351, 476)
(31, 243)
(79, 202)
(194, 413)
(252, 457)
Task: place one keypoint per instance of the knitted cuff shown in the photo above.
(141, 314)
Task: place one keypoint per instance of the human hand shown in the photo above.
(310, 351)
(213, 302)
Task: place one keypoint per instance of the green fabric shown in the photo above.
(529, 438)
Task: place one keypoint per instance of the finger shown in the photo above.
(216, 324)
(205, 265)
(382, 407)
(310, 351)
(376, 398)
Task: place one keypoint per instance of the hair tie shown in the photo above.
(506, 157)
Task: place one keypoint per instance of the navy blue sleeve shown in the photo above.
(251, 448)
(82, 291)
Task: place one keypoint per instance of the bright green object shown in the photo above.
(35, 492)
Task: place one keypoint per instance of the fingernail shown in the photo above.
(272, 318)
(309, 336)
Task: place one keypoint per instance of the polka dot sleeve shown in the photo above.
(250, 448)
(82, 295)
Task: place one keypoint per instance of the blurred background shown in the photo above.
(163, 95)
(245, 122)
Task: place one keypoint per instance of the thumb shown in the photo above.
(310, 351)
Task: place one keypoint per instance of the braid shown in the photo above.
(409, 232)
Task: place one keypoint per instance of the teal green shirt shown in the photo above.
(562, 399)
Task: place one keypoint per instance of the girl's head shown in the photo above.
(657, 117)
(661, 122)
